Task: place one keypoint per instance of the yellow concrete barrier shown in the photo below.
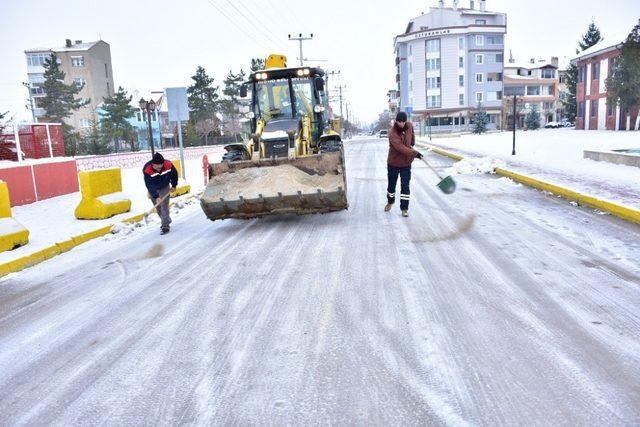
(102, 195)
(12, 233)
(183, 187)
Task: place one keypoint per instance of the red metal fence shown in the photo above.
(34, 141)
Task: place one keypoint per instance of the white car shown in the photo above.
(383, 134)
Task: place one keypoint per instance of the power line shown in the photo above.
(239, 27)
(255, 25)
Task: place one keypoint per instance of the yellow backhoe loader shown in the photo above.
(294, 160)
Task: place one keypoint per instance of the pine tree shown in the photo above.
(623, 86)
(114, 125)
(480, 121)
(231, 105)
(570, 102)
(591, 37)
(59, 101)
(533, 118)
(257, 64)
(203, 98)
(97, 142)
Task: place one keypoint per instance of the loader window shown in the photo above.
(273, 100)
(304, 97)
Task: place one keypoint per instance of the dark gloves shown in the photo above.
(419, 155)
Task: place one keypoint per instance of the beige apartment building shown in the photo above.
(84, 64)
(539, 81)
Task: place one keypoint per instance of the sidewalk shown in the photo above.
(53, 220)
(556, 155)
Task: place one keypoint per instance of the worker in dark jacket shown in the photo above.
(161, 178)
(401, 155)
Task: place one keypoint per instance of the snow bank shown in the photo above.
(475, 166)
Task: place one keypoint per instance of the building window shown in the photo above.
(108, 89)
(433, 101)
(85, 123)
(494, 96)
(154, 116)
(433, 45)
(433, 82)
(410, 50)
(37, 90)
(461, 43)
(479, 78)
(547, 90)
(547, 105)
(461, 62)
(581, 109)
(410, 84)
(494, 77)
(77, 61)
(481, 22)
(461, 80)
(479, 40)
(37, 59)
(548, 74)
(499, 58)
(499, 95)
(461, 99)
(106, 70)
(610, 109)
(582, 76)
(410, 67)
(533, 90)
(595, 70)
(479, 97)
(594, 108)
(494, 40)
(79, 81)
(139, 116)
(433, 64)
(479, 59)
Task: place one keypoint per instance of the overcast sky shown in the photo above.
(159, 43)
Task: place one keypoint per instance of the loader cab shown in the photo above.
(288, 94)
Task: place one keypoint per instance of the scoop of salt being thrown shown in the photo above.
(461, 228)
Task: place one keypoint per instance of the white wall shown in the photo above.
(604, 73)
(419, 75)
(587, 83)
(449, 71)
(602, 114)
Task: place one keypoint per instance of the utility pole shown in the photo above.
(33, 113)
(330, 73)
(301, 39)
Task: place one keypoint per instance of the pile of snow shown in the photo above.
(475, 166)
(124, 229)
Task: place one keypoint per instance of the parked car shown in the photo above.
(383, 134)
(566, 124)
(552, 125)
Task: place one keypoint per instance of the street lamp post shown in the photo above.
(513, 152)
(148, 107)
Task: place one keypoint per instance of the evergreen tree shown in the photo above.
(97, 142)
(231, 105)
(623, 86)
(570, 103)
(257, 64)
(480, 121)
(203, 98)
(533, 118)
(59, 101)
(591, 37)
(71, 140)
(114, 125)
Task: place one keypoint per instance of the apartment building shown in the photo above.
(449, 61)
(594, 112)
(84, 64)
(539, 81)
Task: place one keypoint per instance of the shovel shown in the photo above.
(446, 185)
(146, 214)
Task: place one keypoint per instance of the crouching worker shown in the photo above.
(401, 155)
(161, 178)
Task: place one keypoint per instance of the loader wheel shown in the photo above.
(330, 146)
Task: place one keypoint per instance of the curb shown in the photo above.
(59, 248)
(621, 211)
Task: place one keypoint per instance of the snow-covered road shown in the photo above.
(496, 305)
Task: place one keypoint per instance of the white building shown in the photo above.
(450, 60)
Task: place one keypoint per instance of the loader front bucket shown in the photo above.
(253, 189)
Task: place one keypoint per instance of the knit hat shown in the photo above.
(157, 159)
(401, 117)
